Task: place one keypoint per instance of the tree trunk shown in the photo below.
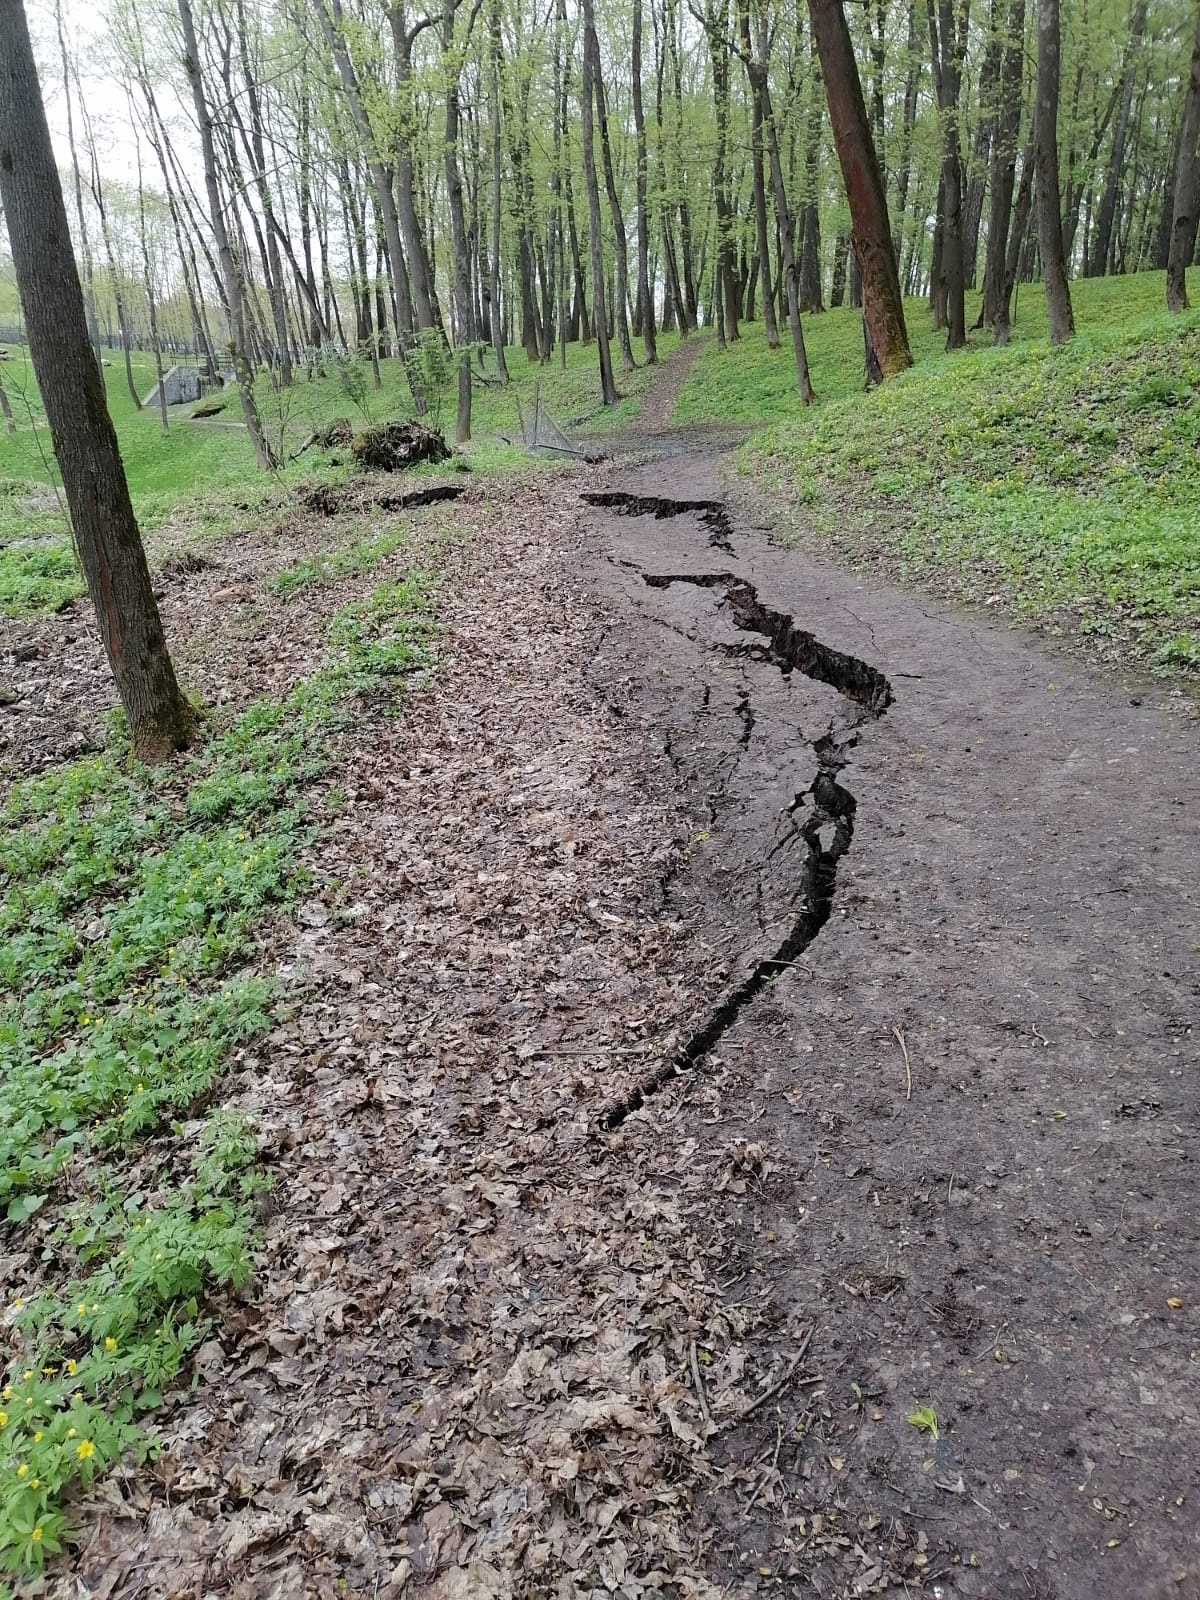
(758, 182)
(621, 293)
(644, 292)
(1016, 244)
(72, 389)
(420, 271)
(871, 236)
(717, 27)
(1004, 163)
(608, 389)
(497, 194)
(230, 272)
(811, 297)
(990, 110)
(1050, 236)
(1102, 239)
(464, 331)
(10, 424)
(948, 39)
(1187, 187)
(89, 290)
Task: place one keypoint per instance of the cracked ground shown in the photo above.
(694, 1075)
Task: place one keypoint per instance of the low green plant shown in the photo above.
(131, 904)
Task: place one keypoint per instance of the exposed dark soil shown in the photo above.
(975, 1096)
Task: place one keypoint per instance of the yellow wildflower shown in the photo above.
(85, 1449)
(3, 1419)
(71, 1432)
(71, 1368)
(36, 1536)
(23, 1470)
(110, 1343)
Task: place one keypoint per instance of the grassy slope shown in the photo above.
(1066, 483)
(201, 479)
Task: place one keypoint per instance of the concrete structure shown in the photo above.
(182, 384)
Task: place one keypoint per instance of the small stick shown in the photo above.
(699, 1382)
(899, 1032)
(762, 1482)
(770, 1393)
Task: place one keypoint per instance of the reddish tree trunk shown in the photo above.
(870, 236)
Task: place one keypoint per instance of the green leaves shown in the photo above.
(924, 1420)
(129, 914)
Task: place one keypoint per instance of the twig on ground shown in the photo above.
(769, 1394)
(762, 1482)
(699, 1383)
(899, 1032)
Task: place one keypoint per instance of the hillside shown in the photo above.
(1063, 485)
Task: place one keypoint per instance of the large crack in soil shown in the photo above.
(828, 829)
(712, 514)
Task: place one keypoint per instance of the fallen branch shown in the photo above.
(699, 1383)
(899, 1032)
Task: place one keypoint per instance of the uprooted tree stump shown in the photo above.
(392, 446)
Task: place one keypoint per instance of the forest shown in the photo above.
(599, 643)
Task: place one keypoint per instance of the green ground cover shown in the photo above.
(133, 901)
(200, 481)
(1064, 483)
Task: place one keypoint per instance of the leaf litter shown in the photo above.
(488, 1351)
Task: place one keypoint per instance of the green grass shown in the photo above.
(132, 903)
(200, 482)
(1065, 483)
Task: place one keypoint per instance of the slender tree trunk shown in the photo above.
(381, 180)
(89, 290)
(1050, 236)
(608, 389)
(497, 193)
(717, 27)
(72, 389)
(147, 271)
(420, 271)
(990, 110)
(645, 294)
(912, 80)
(230, 272)
(1102, 239)
(1004, 162)
(1016, 244)
(948, 38)
(761, 86)
(1187, 187)
(871, 234)
(811, 297)
(464, 332)
(10, 423)
(621, 295)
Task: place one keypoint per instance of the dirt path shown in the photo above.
(733, 1011)
(974, 1085)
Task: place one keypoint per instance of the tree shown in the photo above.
(72, 388)
(948, 43)
(1187, 186)
(871, 235)
(1050, 235)
(608, 388)
(231, 274)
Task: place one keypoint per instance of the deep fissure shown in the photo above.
(711, 514)
(827, 830)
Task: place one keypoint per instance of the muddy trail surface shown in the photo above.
(734, 1125)
(952, 1004)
